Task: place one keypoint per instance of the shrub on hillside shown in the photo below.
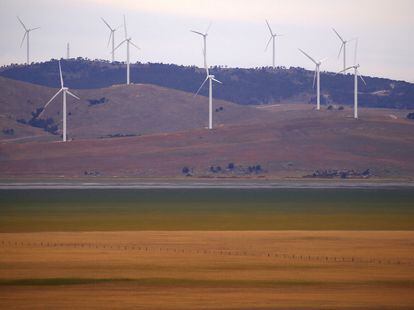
(8, 131)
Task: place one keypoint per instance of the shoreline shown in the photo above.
(203, 184)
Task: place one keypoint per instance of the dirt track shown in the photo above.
(216, 270)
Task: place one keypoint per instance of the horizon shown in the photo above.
(162, 29)
(222, 67)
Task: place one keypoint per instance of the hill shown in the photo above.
(115, 111)
(242, 86)
(299, 142)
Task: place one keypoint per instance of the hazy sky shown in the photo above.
(237, 37)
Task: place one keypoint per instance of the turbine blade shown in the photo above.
(345, 70)
(25, 34)
(356, 51)
(34, 29)
(119, 45)
(73, 95)
(134, 45)
(107, 24)
(361, 78)
(323, 60)
(270, 29)
(204, 55)
(201, 86)
(313, 60)
(340, 50)
(208, 28)
(196, 32)
(314, 78)
(61, 77)
(340, 38)
(267, 46)
(22, 23)
(125, 28)
(51, 99)
(217, 81)
(110, 37)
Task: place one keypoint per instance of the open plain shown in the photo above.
(207, 270)
(338, 248)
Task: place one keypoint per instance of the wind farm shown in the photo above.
(200, 172)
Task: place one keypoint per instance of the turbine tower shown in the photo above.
(111, 38)
(67, 51)
(129, 42)
(343, 46)
(27, 37)
(356, 75)
(316, 77)
(64, 90)
(209, 77)
(272, 38)
(204, 35)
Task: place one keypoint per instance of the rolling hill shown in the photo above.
(142, 131)
(298, 143)
(242, 86)
(118, 110)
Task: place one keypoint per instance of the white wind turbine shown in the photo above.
(128, 41)
(356, 75)
(210, 79)
(343, 46)
(27, 37)
(64, 90)
(272, 38)
(316, 77)
(111, 36)
(204, 35)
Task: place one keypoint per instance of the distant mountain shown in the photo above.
(241, 86)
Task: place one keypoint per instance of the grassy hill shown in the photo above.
(115, 111)
(296, 143)
(242, 86)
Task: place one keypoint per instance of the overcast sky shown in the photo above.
(237, 38)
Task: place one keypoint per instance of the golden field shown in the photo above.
(207, 270)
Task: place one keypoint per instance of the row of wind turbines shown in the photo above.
(209, 77)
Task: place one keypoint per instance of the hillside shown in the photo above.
(241, 86)
(299, 142)
(118, 110)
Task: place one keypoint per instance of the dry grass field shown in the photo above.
(207, 270)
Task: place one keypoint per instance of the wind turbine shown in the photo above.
(67, 51)
(64, 90)
(210, 78)
(27, 37)
(316, 77)
(343, 46)
(128, 41)
(356, 75)
(111, 36)
(272, 37)
(204, 35)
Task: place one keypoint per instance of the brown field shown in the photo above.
(207, 270)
